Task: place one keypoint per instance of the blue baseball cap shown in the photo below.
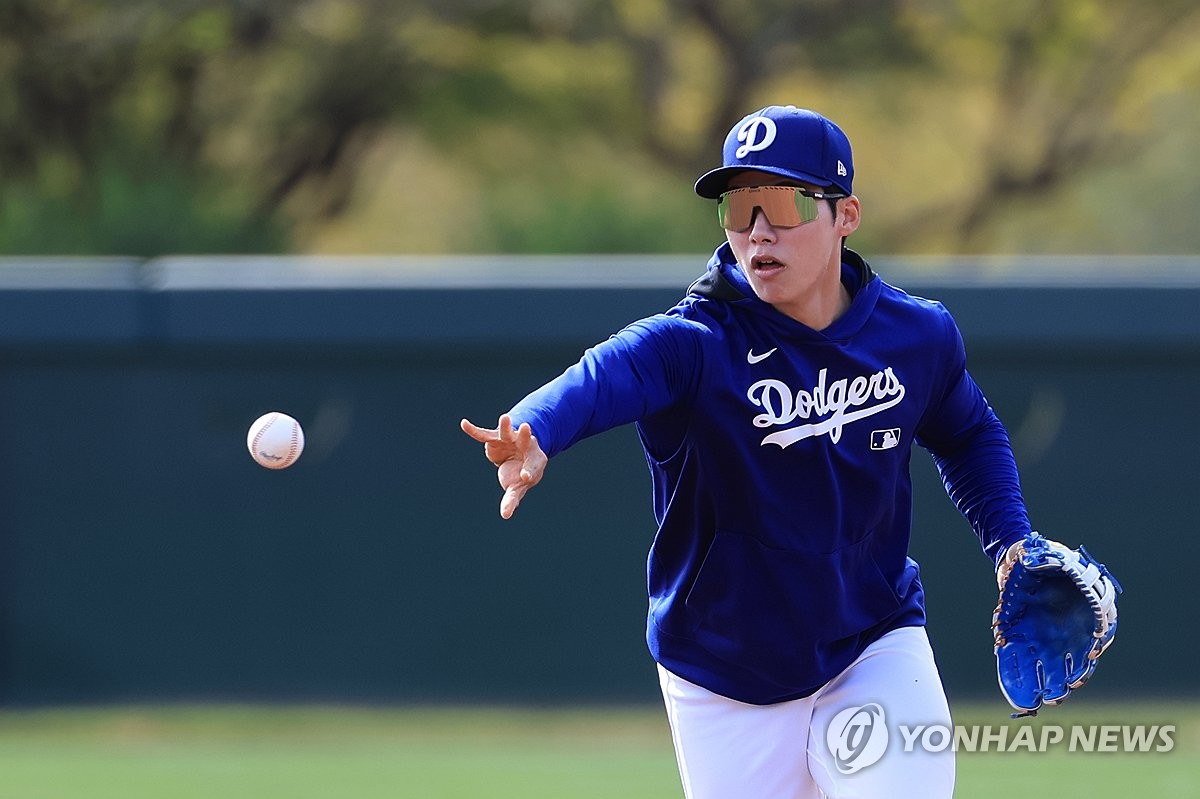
(784, 140)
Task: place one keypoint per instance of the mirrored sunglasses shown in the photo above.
(784, 206)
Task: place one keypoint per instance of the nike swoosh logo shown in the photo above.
(752, 358)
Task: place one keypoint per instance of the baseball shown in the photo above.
(275, 440)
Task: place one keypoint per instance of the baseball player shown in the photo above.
(777, 404)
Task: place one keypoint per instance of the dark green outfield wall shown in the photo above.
(143, 555)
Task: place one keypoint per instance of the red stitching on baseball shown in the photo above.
(261, 432)
(295, 443)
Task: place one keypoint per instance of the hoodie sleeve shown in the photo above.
(645, 368)
(971, 449)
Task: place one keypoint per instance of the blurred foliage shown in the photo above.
(137, 127)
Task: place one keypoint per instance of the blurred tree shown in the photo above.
(748, 45)
(554, 125)
(1070, 86)
(99, 137)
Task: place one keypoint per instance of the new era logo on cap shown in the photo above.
(788, 141)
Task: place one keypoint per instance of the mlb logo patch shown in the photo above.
(885, 439)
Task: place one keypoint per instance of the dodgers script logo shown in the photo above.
(843, 402)
(749, 133)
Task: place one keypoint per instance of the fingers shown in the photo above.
(499, 443)
(480, 434)
(522, 471)
(511, 500)
(519, 459)
(523, 441)
(515, 483)
(533, 460)
(503, 432)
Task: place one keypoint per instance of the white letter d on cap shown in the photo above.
(748, 133)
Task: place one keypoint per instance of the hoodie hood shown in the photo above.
(725, 282)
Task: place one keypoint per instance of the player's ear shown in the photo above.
(849, 215)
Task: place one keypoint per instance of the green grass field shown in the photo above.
(237, 752)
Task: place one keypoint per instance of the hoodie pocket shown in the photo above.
(754, 604)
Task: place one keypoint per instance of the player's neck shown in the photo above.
(821, 308)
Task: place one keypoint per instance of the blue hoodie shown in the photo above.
(779, 457)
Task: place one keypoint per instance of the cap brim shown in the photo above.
(713, 184)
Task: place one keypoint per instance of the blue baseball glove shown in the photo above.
(1056, 615)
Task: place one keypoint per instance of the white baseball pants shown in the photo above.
(825, 745)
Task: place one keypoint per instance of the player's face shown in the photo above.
(796, 269)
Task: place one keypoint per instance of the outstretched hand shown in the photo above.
(519, 459)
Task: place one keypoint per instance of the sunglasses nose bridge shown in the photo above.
(757, 212)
